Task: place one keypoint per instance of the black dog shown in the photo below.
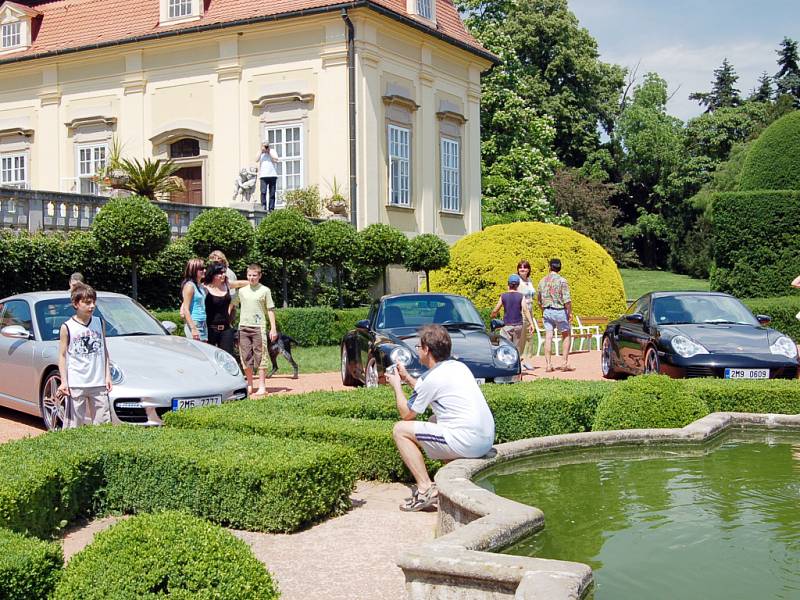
(283, 345)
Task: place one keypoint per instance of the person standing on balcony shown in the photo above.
(267, 163)
(556, 302)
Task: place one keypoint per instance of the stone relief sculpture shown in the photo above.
(245, 184)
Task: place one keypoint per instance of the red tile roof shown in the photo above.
(70, 25)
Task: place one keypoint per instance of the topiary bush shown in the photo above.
(29, 568)
(427, 252)
(334, 244)
(381, 245)
(222, 229)
(286, 235)
(782, 310)
(756, 243)
(773, 162)
(170, 554)
(648, 401)
(480, 264)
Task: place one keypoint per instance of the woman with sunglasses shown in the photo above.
(218, 308)
(193, 307)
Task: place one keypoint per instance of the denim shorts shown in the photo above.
(555, 318)
(202, 329)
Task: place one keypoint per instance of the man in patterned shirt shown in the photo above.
(556, 302)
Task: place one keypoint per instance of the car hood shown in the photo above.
(154, 357)
(724, 338)
(470, 345)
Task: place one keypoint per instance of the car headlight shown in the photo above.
(506, 355)
(785, 347)
(227, 362)
(117, 376)
(686, 347)
(401, 355)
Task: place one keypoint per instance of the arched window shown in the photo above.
(184, 148)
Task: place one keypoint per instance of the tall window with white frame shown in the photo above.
(180, 8)
(451, 175)
(12, 34)
(287, 141)
(424, 9)
(399, 165)
(14, 170)
(91, 159)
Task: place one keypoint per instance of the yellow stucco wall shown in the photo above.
(208, 85)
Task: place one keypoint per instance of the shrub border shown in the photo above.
(473, 522)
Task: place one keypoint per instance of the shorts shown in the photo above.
(430, 437)
(555, 318)
(202, 329)
(251, 347)
(516, 335)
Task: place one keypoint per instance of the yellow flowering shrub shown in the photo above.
(480, 264)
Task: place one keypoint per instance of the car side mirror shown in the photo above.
(17, 332)
(763, 319)
(363, 324)
(496, 324)
(169, 326)
(634, 318)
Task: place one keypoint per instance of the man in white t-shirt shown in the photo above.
(267, 163)
(462, 425)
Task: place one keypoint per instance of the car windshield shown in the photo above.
(415, 311)
(123, 316)
(670, 310)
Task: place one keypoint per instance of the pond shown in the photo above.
(719, 521)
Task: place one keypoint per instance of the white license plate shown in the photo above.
(480, 380)
(746, 373)
(181, 403)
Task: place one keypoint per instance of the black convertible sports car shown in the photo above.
(696, 334)
(389, 336)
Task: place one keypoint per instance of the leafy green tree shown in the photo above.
(427, 252)
(224, 229)
(334, 242)
(763, 91)
(286, 235)
(133, 228)
(713, 134)
(723, 91)
(381, 245)
(551, 64)
(150, 178)
(788, 76)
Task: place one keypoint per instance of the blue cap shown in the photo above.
(514, 278)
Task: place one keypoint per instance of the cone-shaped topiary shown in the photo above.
(773, 162)
(481, 262)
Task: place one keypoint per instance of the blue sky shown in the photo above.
(684, 41)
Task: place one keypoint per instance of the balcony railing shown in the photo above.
(36, 210)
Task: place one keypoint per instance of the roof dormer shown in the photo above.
(16, 25)
(180, 11)
(425, 9)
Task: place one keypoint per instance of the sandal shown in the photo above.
(549, 369)
(420, 501)
(566, 368)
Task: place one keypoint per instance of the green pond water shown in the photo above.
(720, 521)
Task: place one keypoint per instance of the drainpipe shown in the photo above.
(351, 114)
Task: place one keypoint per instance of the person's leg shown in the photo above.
(405, 440)
(264, 187)
(79, 409)
(246, 355)
(548, 341)
(258, 358)
(226, 340)
(523, 344)
(273, 188)
(102, 411)
(566, 337)
(213, 337)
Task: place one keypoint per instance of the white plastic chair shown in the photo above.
(586, 332)
(540, 337)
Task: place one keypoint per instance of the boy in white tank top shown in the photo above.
(83, 363)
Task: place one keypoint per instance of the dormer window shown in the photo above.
(12, 34)
(15, 26)
(180, 11)
(425, 9)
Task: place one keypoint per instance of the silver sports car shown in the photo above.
(153, 372)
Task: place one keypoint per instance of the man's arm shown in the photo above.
(62, 360)
(109, 383)
(273, 328)
(796, 282)
(411, 381)
(393, 377)
(497, 308)
(568, 310)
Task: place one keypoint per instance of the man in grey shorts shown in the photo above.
(554, 298)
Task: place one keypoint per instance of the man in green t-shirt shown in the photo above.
(256, 305)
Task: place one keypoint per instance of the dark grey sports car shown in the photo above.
(696, 334)
(389, 336)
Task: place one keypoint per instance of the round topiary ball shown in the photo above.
(480, 264)
(773, 162)
(648, 401)
(224, 229)
(170, 554)
(132, 227)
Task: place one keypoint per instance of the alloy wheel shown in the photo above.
(344, 365)
(605, 357)
(52, 405)
(651, 364)
(372, 373)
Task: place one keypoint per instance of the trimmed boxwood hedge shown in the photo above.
(773, 162)
(168, 554)
(29, 568)
(248, 482)
(782, 310)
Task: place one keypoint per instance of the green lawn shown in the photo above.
(640, 281)
(312, 359)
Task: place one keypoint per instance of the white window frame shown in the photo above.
(425, 9)
(296, 179)
(180, 9)
(14, 169)
(11, 34)
(398, 141)
(450, 180)
(97, 160)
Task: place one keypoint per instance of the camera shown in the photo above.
(391, 369)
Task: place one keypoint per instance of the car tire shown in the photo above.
(651, 363)
(347, 377)
(607, 360)
(371, 379)
(51, 407)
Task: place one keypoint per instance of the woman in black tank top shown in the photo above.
(218, 309)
